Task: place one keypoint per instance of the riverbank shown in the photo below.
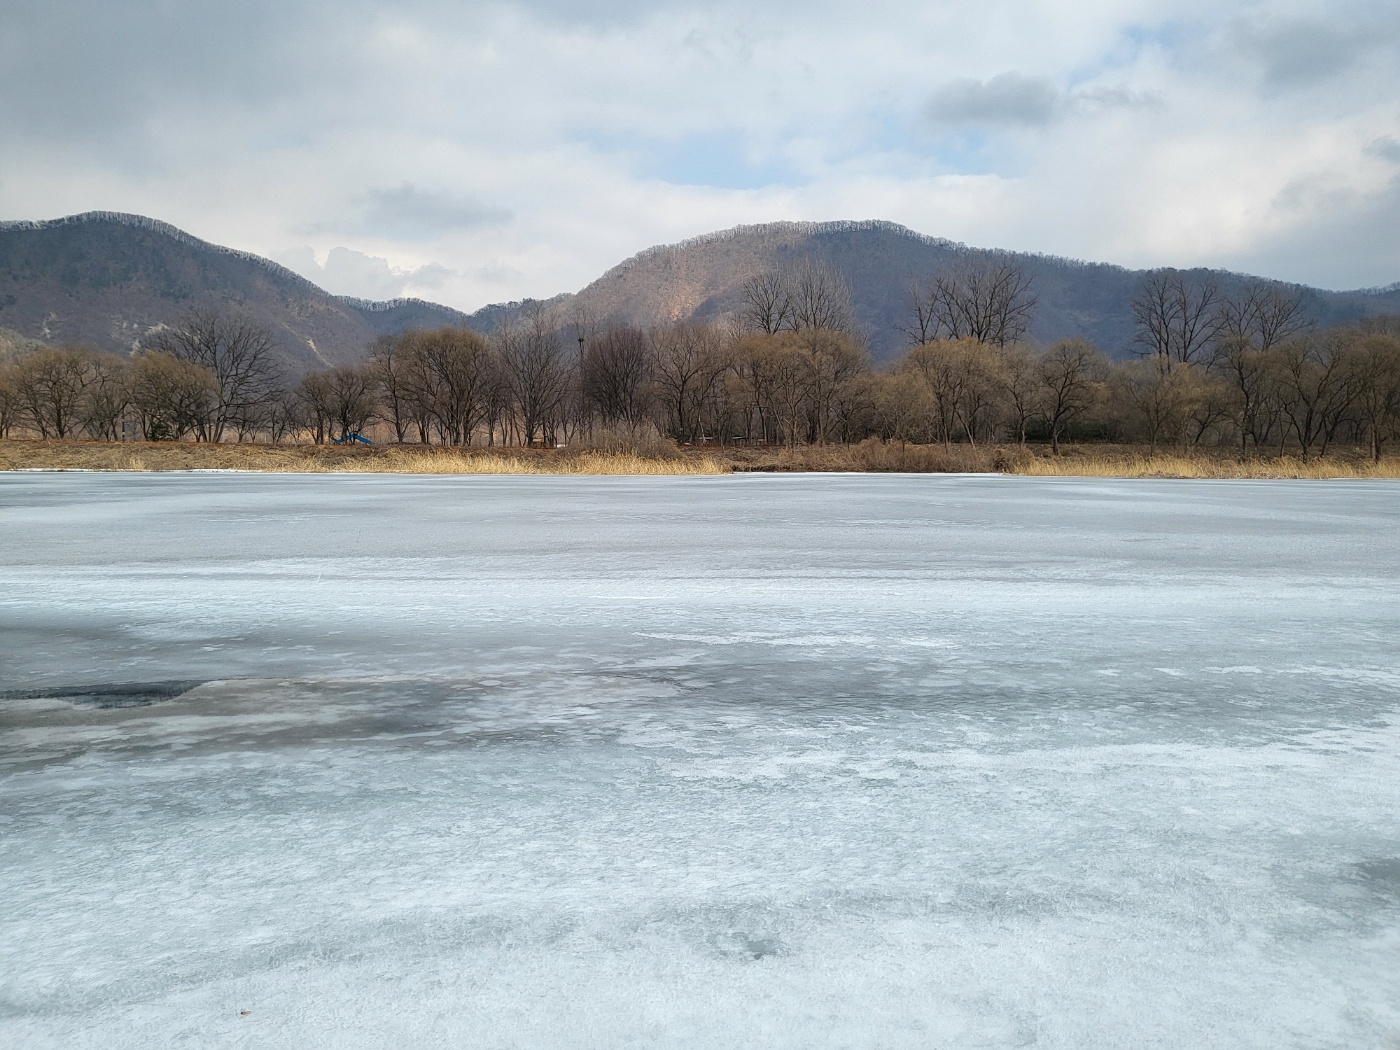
(333, 459)
(1123, 461)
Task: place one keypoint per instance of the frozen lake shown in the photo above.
(751, 761)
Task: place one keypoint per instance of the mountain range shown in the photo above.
(105, 279)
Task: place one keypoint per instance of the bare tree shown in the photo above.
(9, 400)
(964, 385)
(1177, 318)
(819, 298)
(1250, 324)
(790, 387)
(1263, 314)
(1071, 380)
(417, 384)
(50, 386)
(170, 395)
(316, 400)
(62, 392)
(237, 350)
(1209, 402)
(1376, 369)
(901, 408)
(752, 361)
(536, 370)
(689, 364)
(921, 324)
(767, 302)
(616, 368)
(981, 387)
(349, 400)
(1020, 383)
(988, 301)
(1316, 387)
(940, 367)
(833, 361)
(390, 372)
(495, 396)
(853, 414)
(107, 397)
(1160, 402)
(456, 363)
(284, 416)
(809, 295)
(1246, 371)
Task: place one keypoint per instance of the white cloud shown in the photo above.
(474, 153)
(348, 272)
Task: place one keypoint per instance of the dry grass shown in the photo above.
(1103, 461)
(868, 456)
(331, 459)
(1139, 464)
(871, 456)
(1133, 461)
(587, 462)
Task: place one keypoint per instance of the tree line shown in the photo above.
(1244, 369)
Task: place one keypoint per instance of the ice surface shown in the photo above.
(698, 762)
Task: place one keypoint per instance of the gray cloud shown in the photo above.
(1009, 98)
(1386, 147)
(1016, 99)
(409, 213)
(98, 70)
(1301, 52)
(597, 12)
(1344, 241)
(1120, 97)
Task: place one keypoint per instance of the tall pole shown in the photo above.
(582, 402)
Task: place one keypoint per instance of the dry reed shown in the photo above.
(590, 462)
(324, 459)
(1176, 465)
(870, 456)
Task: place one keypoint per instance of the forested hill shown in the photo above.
(104, 280)
(702, 278)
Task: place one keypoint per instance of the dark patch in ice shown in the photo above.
(106, 695)
(746, 945)
(1382, 873)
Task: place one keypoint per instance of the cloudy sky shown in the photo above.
(478, 152)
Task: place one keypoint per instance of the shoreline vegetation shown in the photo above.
(1218, 383)
(871, 456)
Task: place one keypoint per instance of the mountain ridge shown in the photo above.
(145, 222)
(106, 279)
(858, 225)
(1076, 297)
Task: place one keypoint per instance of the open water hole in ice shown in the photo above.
(715, 762)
